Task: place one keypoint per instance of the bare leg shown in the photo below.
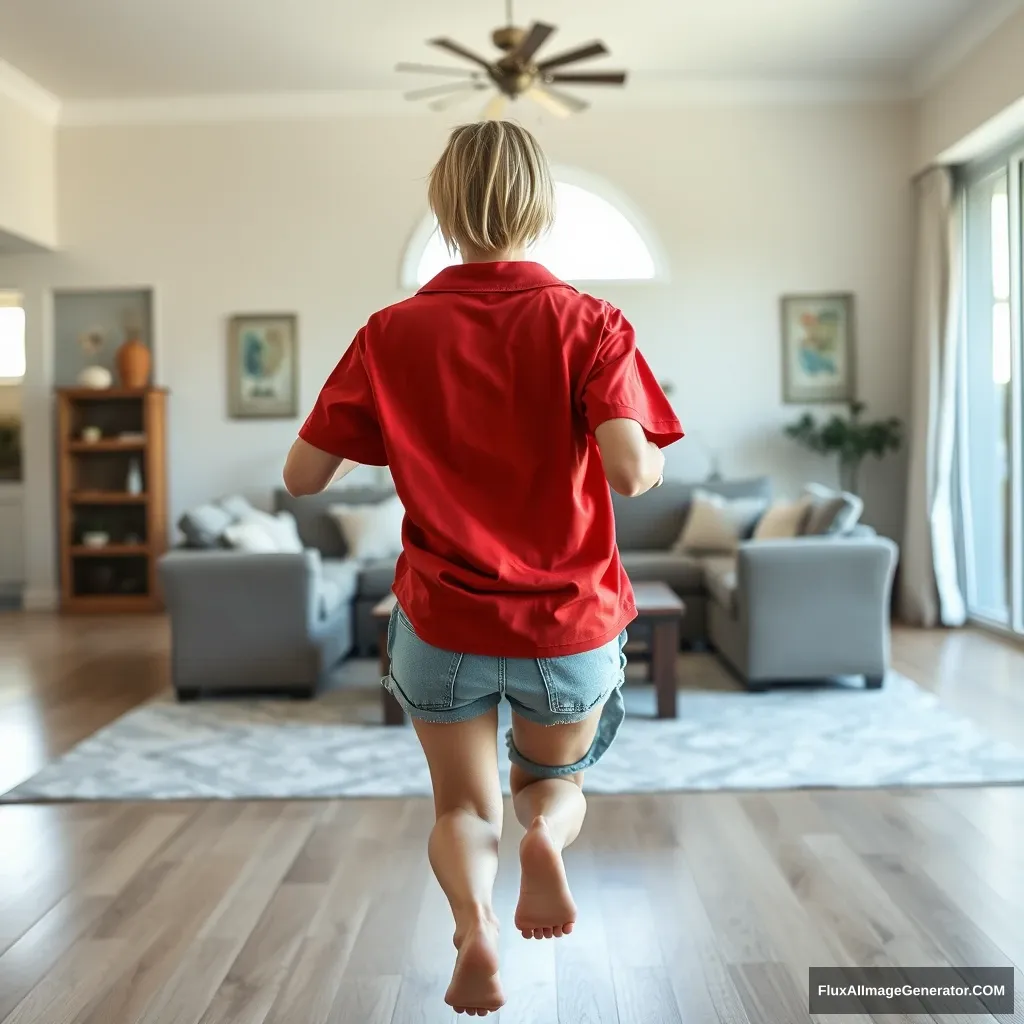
(463, 851)
(552, 812)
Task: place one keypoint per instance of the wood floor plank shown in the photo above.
(704, 990)
(644, 995)
(309, 992)
(255, 978)
(769, 993)
(158, 937)
(70, 985)
(365, 1001)
(583, 960)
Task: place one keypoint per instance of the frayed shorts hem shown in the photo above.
(612, 714)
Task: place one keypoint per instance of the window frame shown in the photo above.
(592, 183)
(1010, 160)
(6, 381)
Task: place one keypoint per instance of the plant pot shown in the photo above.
(849, 474)
(134, 362)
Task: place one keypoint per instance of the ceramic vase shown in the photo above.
(134, 361)
(134, 483)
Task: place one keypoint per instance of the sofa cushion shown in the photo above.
(371, 532)
(316, 527)
(832, 512)
(783, 519)
(376, 578)
(344, 574)
(684, 574)
(717, 524)
(720, 580)
(655, 520)
(204, 526)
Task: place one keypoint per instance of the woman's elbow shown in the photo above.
(627, 481)
(295, 484)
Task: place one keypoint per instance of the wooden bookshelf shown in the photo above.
(121, 575)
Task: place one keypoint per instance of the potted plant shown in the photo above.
(850, 438)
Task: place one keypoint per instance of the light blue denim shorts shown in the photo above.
(444, 686)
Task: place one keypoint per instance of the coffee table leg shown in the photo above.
(394, 713)
(664, 653)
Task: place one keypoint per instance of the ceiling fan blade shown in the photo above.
(532, 41)
(458, 97)
(440, 90)
(574, 103)
(452, 47)
(433, 69)
(597, 78)
(495, 108)
(551, 103)
(571, 56)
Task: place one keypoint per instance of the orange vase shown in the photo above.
(134, 361)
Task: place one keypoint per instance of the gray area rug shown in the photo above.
(724, 739)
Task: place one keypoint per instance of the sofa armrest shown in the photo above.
(241, 618)
(816, 606)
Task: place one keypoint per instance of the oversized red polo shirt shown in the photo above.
(481, 392)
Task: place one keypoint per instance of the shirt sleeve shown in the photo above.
(344, 422)
(620, 385)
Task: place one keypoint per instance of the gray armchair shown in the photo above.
(251, 622)
(808, 608)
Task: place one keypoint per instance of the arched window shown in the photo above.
(596, 237)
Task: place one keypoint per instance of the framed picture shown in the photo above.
(263, 366)
(817, 349)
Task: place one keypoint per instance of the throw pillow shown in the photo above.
(251, 537)
(718, 524)
(236, 506)
(832, 512)
(204, 526)
(783, 519)
(371, 531)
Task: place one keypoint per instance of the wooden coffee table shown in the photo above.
(394, 713)
(659, 605)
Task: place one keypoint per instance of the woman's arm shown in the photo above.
(632, 464)
(309, 470)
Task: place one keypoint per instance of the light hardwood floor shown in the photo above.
(694, 908)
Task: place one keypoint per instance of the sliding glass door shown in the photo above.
(991, 462)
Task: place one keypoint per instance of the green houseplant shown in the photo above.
(851, 438)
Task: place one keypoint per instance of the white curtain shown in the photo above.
(929, 591)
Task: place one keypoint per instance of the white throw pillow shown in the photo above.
(252, 537)
(236, 506)
(783, 519)
(282, 529)
(371, 531)
(717, 524)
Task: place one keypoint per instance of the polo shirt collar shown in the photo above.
(500, 276)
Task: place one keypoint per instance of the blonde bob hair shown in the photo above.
(492, 188)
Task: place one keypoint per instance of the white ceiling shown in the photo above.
(123, 49)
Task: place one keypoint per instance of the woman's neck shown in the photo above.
(472, 255)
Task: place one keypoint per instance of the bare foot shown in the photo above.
(476, 988)
(546, 909)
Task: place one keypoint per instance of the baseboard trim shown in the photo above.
(40, 599)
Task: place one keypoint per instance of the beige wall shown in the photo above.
(982, 87)
(27, 175)
(313, 217)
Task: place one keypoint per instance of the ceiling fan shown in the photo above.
(516, 73)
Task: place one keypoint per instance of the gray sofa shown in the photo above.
(809, 608)
(272, 622)
(786, 610)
